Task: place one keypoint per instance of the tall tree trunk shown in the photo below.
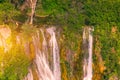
(33, 6)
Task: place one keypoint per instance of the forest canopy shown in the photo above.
(73, 13)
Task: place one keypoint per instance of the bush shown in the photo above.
(14, 64)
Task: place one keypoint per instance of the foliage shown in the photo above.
(102, 12)
(14, 64)
(64, 12)
(7, 12)
(104, 16)
(27, 31)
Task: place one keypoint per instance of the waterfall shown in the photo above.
(55, 51)
(42, 52)
(87, 43)
(43, 69)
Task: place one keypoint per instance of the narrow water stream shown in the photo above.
(88, 44)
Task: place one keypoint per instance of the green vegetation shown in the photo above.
(71, 16)
(14, 64)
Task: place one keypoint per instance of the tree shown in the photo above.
(7, 12)
(32, 5)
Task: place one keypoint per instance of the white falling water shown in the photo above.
(87, 67)
(43, 70)
(41, 62)
(44, 44)
(56, 57)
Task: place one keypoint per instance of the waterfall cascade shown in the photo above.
(45, 62)
(55, 51)
(42, 49)
(43, 69)
(87, 45)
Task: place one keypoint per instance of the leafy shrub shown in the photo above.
(14, 64)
